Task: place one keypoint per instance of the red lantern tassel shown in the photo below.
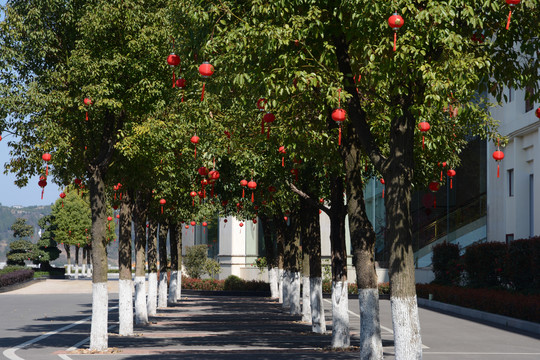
(268, 133)
(497, 171)
(120, 196)
(193, 202)
(62, 203)
(441, 175)
(283, 161)
(42, 191)
(509, 17)
(182, 96)
(395, 40)
(212, 191)
(162, 209)
(115, 195)
(339, 138)
(202, 95)
(450, 183)
(109, 228)
(87, 116)
(383, 193)
(47, 169)
(422, 142)
(243, 193)
(252, 198)
(173, 79)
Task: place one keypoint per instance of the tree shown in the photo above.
(21, 229)
(21, 249)
(47, 247)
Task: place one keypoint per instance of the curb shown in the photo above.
(226, 293)
(500, 320)
(21, 285)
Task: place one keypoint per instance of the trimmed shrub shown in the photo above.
(484, 264)
(204, 284)
(522, 266)
(15, 277)
(446, 265)
(502, 302)
(233, 282)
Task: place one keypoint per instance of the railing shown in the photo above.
(458, 218)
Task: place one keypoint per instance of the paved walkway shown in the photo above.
(220, 327)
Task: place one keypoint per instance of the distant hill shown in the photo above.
(8, 214)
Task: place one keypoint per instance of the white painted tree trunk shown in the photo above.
(318, 321)
(89, 273)
(179, 286)
(286, 304)
(162, 290)
(370, 325)
(172, 287)
(69, 270)
(340, 315)
(306, 300)
(280, 285)
(125, 304)
(407, 339)
(141, 314)
(294, 294)
(76, 271)
(273, 279)
(83, 271)
(100, 312)
(152, 294)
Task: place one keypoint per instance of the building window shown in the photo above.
(510, 94)
(509, 238)
(529, 105)
(511, 182)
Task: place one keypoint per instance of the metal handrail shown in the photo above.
(458, 218)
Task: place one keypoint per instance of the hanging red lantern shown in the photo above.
(434, 186)
(243, 183)
(498, 155)
(443, 165)
(42, 183)
(87, 102)
(382, 182)
(254, 221)
(283, 152)
(225, 220)
(241, 224)
(512, 3)
(181, 84)
(187, 226)
(162, 202)
(295, 173)
(451, 173)
(204, 224)
(261, 104)
(62, 196)
(193, 223)
(202, 171)
(117, 217)
(268, 118)
(193, 194)
(46, 157)
(423, 127)
(286, 218)
(206, 70)
(173, 60)
(339, 115)
(395, 22)
(109, 219)
(195, 140)
(252, 185)
(537, 113)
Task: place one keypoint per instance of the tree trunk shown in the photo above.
(152, 268)
(89, 260)
(280, 240)
(306, 246)
(76, 262)
(340, 314)
(179, 261)
(141, 210)
(84, 251)
(363, 245)
(98, 204)
(68, 256)
(173, 247)
(162, 241)
(292, 264)
(271, 258)
(125, 282)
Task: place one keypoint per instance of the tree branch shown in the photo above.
(309, 199)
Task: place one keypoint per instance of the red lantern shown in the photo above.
(241, 224)
(62, 196)
(254, 221)
(339, 115)
(423, 127)
(434, 186)
(195, 140)
(267, 118)
(181, 83)
(206, 70)
(395, 22)
(204, 224)
(283, 152)
(261, 104)
(173, 60)
(117, 217)
(243, 183)
(537, 113)
(512, 3)
(42, 183)
(382, 182)
(46, 157)
(187, 226)
(498, 156)
(252, 185)
(193, 194)
(162, 202)
(225, 220)
(451, 173)
(443, 165)
(193, 223)
(87, 102)
(285, 218)
(202, 171)
(109, 218)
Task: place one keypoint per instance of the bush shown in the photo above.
(233, 282)
(197, 263)
(205, 284)
(384, 288)
(522, 265)
(15, 277)
(484, 264)
(502, 302)
(446, 265)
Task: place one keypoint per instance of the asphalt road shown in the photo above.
(27, 315)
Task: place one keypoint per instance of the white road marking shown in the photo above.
(10, 353)
(76, 346)
(382, 327)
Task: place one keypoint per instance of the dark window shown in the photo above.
(511, 182)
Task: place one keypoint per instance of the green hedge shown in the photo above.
(16, 276)
(520, 306)
(522, 266)
(446, 265)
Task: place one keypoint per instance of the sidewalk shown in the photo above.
(220, 327)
